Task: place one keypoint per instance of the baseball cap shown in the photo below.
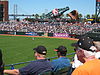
(86, 43)
(41, 50)
(61, 49)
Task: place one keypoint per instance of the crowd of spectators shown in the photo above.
(53, 27)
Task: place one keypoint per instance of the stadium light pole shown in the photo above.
(97, 11)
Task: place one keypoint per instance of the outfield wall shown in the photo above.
(39, 34)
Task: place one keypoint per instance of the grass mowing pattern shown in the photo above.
(20, 49)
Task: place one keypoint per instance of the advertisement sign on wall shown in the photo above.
(61, 35)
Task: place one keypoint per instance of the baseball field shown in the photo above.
(17, 49)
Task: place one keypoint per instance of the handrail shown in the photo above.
(12, 65)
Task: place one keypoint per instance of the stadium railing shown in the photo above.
(12, 65)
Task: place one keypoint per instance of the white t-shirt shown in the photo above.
(97, 55)
(76, 62)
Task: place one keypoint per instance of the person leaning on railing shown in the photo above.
(36, 67)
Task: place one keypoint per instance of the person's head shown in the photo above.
(61, 51)
(85, 49)
(1, 64)
(40, 52)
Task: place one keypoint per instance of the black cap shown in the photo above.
(85, 43)
(41, 50)
(61, 49)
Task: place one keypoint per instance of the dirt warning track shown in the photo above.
(40, 36)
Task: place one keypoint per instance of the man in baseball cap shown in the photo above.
(86, 50)
(36, 67)
(86, 43)
(40, 49)
(62, 60)
(61, 51)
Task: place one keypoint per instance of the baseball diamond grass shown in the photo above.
(20, 48)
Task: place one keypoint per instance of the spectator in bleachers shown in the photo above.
(53, 27)
(62, 60)
(86, 54)
(75, 63)
(36, 67)
(1, 64)
(97, 44)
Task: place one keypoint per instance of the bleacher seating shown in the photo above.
(47, 73)
(63, 71)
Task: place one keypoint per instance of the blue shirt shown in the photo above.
(60, 63)
(36, 67)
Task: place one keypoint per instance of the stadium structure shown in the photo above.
(97, 12)
(55, 13)
(3, 10)
(4, 16)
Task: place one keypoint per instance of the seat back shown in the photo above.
(47, 73)
(63, 71)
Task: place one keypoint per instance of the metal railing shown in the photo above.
(12, 65)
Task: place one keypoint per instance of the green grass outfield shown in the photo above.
(20, 48)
